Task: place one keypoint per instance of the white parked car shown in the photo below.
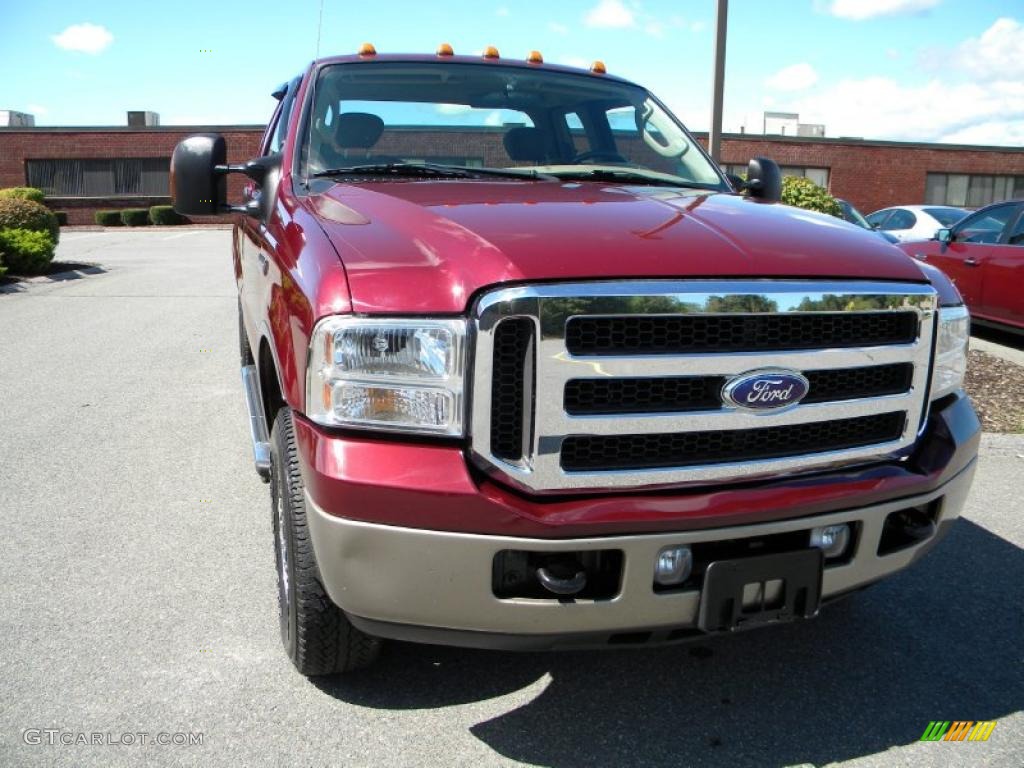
(915, 222)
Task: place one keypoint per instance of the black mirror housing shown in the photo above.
(198, 188)
(764, 180)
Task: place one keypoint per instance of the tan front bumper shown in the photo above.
(438, 579)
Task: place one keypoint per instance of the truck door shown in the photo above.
(963, 258)
(255, 251)
(1002, 288)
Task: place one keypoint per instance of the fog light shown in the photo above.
(832, 539)
(673, 565)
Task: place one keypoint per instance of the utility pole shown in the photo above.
(718, 86)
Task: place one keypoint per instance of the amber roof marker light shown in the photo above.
(491, 52)
(598, 68)
(367, 49)
(445, 49)
(535, 58)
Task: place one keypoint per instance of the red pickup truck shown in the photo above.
(526, 370)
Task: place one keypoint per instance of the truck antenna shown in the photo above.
(312, 97)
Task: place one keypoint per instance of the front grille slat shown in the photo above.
(596, 453)
(511, 385)
(700, 333)
(677, 394)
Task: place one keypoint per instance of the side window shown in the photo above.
(283, 116)
(1017, 235)
(877, 218)
(900, 219)
(577, 133)
(985, 226)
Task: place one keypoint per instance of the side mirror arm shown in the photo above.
(259, 170)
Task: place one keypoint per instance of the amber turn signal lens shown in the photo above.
(490, 52)
(445, 49)
(535, 58)
(367, 49)
(598, 68)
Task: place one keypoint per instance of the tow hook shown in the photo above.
(554, 581)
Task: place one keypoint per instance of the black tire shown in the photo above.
(245, 354)
(317, 635)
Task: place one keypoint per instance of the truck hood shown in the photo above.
(428, 246)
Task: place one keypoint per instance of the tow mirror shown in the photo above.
(198, 178)
(197, 189)
(944, 235)
(764, 180)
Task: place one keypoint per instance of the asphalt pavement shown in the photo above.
(138, 587)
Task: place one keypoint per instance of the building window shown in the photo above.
(108, 177)
(818, 175)
(970, 190)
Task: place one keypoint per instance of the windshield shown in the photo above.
(496, 117)
(852, 215)
(947, 217)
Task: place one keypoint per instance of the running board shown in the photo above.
(257, 422)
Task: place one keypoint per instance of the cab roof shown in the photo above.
(356, 58)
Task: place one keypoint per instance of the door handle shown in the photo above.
(261, 257)
(971, 262)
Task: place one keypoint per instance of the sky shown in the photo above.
(914, 70)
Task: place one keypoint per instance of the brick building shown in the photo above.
(89, 169)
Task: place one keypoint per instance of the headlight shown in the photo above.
(951, 351)
(402, 375)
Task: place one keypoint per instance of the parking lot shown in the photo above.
(139, 594)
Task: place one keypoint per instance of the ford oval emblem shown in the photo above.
(765, 390)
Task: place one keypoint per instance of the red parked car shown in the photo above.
(984, 255)
(525, 371)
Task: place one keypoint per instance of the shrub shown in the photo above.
(62, 218)
(26, 251)
(804, 193)
(135, 217)
(16, 213)
(23, 193)
(165, 214)
(107, 218)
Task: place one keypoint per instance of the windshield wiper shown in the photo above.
(428, 170)
(638, 177)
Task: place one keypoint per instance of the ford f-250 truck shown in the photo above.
(526, 370)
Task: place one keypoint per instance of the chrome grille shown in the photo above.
(617, 385)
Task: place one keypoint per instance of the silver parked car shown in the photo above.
(915, 222)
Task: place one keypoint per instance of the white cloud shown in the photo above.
(654, 29)
(36, 109)
(610, 14)
(879, 107)
(997, 54)
(996, 132)
(797, 77)
(87, 38)
(558, 29)
(452, 109)
(858, 10)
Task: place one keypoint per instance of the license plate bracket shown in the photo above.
(725, 581)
